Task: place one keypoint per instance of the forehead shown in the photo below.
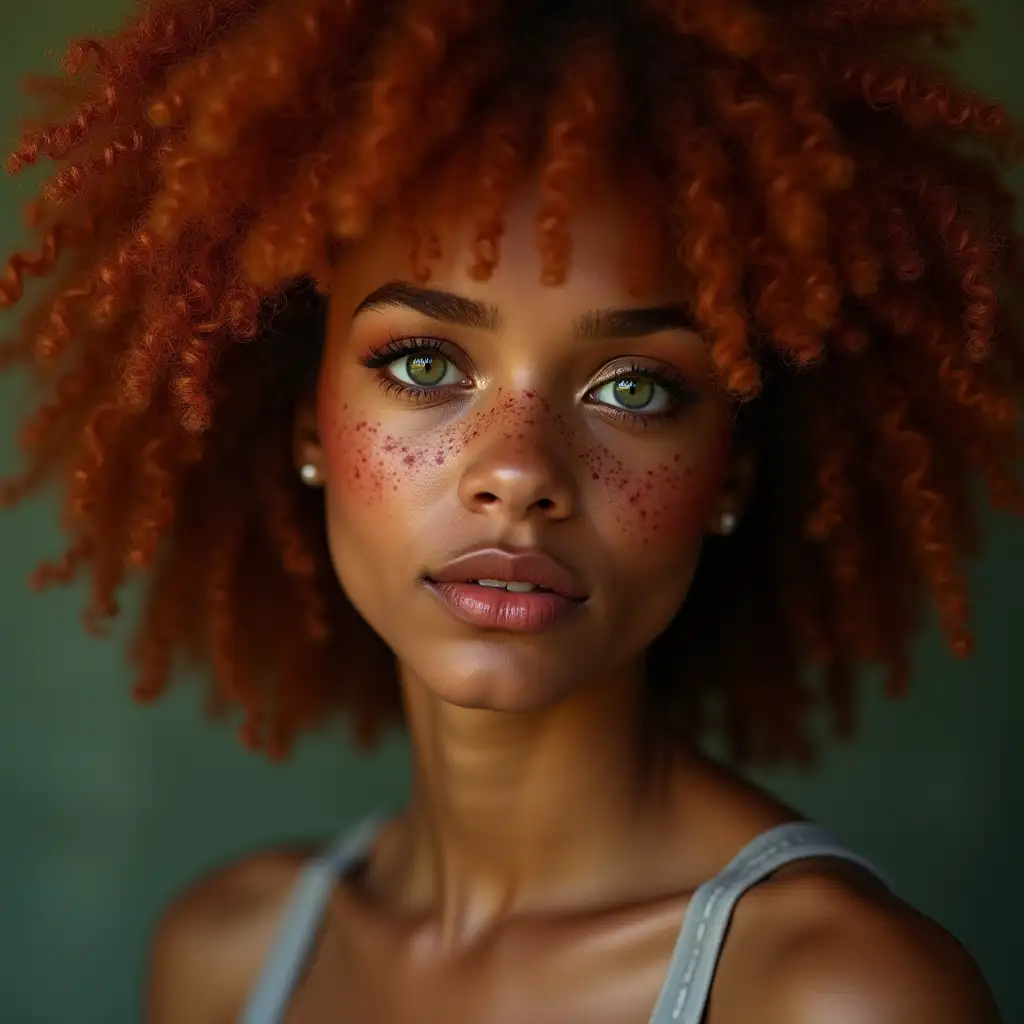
(602, 226)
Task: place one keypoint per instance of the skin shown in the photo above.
(508, 891)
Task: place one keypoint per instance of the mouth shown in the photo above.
(520, 592)
(493, 604)
(511, 586)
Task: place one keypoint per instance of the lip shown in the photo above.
(534, 567)
(494, 608)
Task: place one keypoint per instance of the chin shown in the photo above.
(489, 677)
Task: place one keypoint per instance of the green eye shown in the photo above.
(636, 393)
(426, 369)
(416, 366)
(633, 393)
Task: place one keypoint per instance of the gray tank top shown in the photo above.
(684, 995)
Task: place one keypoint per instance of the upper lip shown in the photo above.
(534, 567)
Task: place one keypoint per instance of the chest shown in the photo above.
(601, 969)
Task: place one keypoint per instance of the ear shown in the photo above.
(307, 449)
(734, 496)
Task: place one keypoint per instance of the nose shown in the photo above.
(518, 480)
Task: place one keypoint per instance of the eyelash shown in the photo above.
(396, 348)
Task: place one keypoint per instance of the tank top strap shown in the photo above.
(302, 920)
(684, 995)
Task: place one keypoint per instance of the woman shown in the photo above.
(565, 382)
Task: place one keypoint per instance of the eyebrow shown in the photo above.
(633, 323)
(437, 305)
(447, 307)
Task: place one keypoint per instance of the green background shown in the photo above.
(106, 809)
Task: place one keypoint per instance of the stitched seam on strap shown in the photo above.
(716, 894)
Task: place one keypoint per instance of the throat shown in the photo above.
(533, 812)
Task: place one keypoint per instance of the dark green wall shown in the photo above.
(106, 809)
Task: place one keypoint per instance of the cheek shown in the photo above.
(353, 468)
(373, 470)
(352, 455)
(664, 505)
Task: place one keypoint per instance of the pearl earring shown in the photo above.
(310, 474)
(727, 523)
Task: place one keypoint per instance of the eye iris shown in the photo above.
(425, 368)
(634, 392)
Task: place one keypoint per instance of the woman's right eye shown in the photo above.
(425, 370)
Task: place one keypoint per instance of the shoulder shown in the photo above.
(210, 945)
(823, 944)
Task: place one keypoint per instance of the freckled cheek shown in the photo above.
(370, 469)
(667, 505)
(677, 505)
(352, 464)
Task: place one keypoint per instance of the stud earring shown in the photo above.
(310, 474)
(727, 524)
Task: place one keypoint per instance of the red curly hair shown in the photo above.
(836, 204)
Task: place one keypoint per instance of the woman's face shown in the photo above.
(571, 436)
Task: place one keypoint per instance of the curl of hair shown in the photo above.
(582, 108)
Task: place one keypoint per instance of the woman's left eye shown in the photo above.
(635, 393)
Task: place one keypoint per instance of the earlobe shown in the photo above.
(727, 523)
(310, 474)
(307, 448)
(734, 497)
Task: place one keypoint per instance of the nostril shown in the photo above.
(545, 503)
(486, 498)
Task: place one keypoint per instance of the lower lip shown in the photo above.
(493, 608)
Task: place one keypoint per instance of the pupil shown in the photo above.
(634, 392)
(426, 369)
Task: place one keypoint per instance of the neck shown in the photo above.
(513, 812)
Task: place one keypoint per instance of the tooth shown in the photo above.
(515, 588)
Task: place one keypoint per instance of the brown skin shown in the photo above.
(509, 890)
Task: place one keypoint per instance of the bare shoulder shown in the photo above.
(823, 943)
(212, 941)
